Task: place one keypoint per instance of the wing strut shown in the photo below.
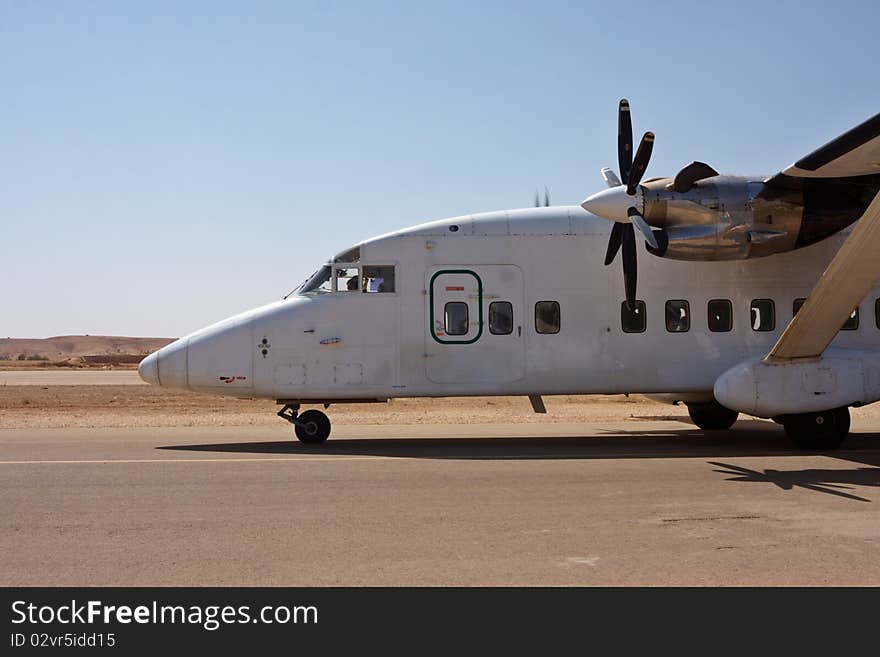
(848, 278)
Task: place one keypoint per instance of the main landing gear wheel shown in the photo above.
(817, 431)
(712, 416)
(312, 427)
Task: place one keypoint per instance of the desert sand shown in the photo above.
(76, 350)
(88, 406)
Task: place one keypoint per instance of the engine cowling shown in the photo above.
(734, 218)
(719, 218)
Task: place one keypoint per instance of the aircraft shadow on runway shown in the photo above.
(832, 481)
(750, 438)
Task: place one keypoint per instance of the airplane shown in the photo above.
(758, 296)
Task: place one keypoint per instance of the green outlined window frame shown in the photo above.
(432, 316)
(467, 317)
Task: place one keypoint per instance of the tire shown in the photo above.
(712, 416)
(313, 427)
(818, 431)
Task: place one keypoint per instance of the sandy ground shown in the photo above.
(88, 406)
(73, 348)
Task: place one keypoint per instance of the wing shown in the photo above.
(848, 278)
(854, 153)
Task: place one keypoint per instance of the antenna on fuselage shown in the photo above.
(546, 198)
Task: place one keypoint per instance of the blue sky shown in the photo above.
(164, 165)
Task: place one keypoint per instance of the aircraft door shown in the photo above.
(474, 324)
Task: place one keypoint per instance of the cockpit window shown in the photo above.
(352, 255)
(338, 277)
(347, 279)
(378, 278)
(318, 282)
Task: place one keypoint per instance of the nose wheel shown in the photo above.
(311, 427)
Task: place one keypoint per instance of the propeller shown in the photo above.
(546, 198)
(625, 210)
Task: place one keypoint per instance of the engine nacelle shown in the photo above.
(841, 377)
(734, 218)
(720, 218)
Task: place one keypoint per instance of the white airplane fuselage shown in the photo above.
(327, 346)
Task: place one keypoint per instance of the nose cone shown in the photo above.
(149, 369)
(613, 203)
(167, 367)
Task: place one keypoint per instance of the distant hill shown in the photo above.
(80, 348)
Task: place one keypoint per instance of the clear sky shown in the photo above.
(165, 164)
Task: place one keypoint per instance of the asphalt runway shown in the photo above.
(631, 503)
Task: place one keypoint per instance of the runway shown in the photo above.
(628, 503)
(60, 377)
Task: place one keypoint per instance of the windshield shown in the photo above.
(319, 281)
(347, 278)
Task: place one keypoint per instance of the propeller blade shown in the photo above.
(624, 140)
(610, 177)
(537, 199)
(546, 198)
(629, 264)
(640, 163)
(613, 243)
(640, 223)
(690, 175)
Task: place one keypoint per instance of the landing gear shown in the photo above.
(312, 427)
(817, 431)
(712, 416)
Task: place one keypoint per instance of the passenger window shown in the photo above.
(500, 318)
(633, 321)
(547, 317)
(763, 315)
(379, 278)
(455, 315)
(851, 324)
(720, 315)
(678, 316)
(347, 279)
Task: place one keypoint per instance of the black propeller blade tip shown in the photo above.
(624, 141)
